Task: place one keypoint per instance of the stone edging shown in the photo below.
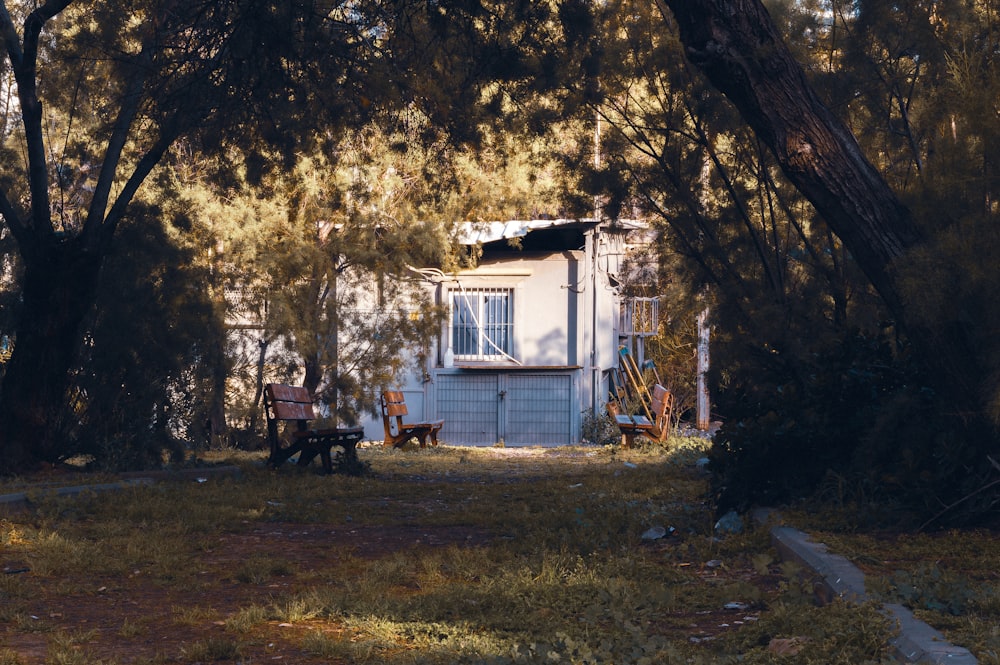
(916, 642)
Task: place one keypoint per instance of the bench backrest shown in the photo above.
(393, 408)
(393, 404)
(613, 408)
(662, 407)
(284, 402)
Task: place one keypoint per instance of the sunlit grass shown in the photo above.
(259, 569)
(557, 570)
(71, 649)
(247, 619)
(192, 615)
(9, 657)
(133, 628)
(212, 649)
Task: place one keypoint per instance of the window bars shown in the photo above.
(639, 316)
(482, 324)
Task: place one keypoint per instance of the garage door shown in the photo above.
(522, 409)
(470, 408)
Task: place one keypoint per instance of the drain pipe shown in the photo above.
(595, 369)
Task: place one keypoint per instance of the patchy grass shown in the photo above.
(446, 555)
(950, 579)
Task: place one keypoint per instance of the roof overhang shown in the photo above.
(481, 233)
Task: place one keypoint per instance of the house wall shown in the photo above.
(566, 315)
(565, 337)
(538, 400)
(546, 303)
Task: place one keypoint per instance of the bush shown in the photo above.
(802, 418)
(144, 384)
(600, 430)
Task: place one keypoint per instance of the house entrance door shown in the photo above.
(522, 409)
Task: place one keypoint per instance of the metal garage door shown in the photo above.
(469, 406)
(521, 409)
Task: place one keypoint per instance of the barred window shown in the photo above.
(482, 323)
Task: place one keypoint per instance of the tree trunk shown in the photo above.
(735, 43)
(258, 382)
(60, 286)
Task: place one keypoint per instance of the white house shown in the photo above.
(532, 335)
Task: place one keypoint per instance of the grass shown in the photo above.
(541, 560)
(950, 579)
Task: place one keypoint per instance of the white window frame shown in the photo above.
(488, 318)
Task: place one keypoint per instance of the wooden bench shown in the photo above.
(283, 402)
(631, 426)
(398, 432)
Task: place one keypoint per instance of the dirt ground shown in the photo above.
(152, 609)
(100, 614)
(135, 619)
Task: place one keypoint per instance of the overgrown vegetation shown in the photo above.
(822, 371)
(948, 578)
(796, 418)
(448, 555)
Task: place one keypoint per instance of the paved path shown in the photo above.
(18, 501)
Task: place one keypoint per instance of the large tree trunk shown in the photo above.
(735, 43)
(59, 288)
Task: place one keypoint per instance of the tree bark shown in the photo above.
(736, 45)
(58, 294)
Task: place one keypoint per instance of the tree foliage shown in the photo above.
(145, 374)
(105, 90)
(313, 264)
(845, 312)
(946, 354)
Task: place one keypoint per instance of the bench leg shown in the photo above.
(309, 451)
(397, 440)
(628, 437)
(326, 459)
(280, 455)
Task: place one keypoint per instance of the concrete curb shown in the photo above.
(20, 501)
(916, 642)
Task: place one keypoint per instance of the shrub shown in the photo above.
(803, 417)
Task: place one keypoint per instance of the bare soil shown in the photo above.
(138, 619)
(153, 609)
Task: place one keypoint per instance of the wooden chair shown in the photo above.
(661, 408)
(398, 432)
(630, 426)
(283, 402)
